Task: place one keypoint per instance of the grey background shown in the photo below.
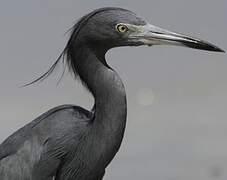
(177, 97)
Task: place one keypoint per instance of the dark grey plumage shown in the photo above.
(69, 142)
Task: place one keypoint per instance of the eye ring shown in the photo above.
(121, 28)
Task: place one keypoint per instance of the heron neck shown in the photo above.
(106, 87)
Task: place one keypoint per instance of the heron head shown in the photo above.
(110, 27)
(114, 27)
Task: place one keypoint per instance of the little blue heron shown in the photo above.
(69, 142)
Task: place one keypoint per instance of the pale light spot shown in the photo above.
(145, 97)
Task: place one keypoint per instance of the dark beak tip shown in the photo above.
(211, 47)
(203, 46)
(217, 49)
(220, 50)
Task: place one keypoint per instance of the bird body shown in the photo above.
(69, 142)
(34, 152)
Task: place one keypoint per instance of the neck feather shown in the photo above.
(106, 87)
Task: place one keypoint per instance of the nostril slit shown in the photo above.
(158, 33)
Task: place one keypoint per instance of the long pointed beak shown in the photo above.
(152, 35)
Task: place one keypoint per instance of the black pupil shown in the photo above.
(122, 28)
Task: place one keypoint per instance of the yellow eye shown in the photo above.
(121, 28)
